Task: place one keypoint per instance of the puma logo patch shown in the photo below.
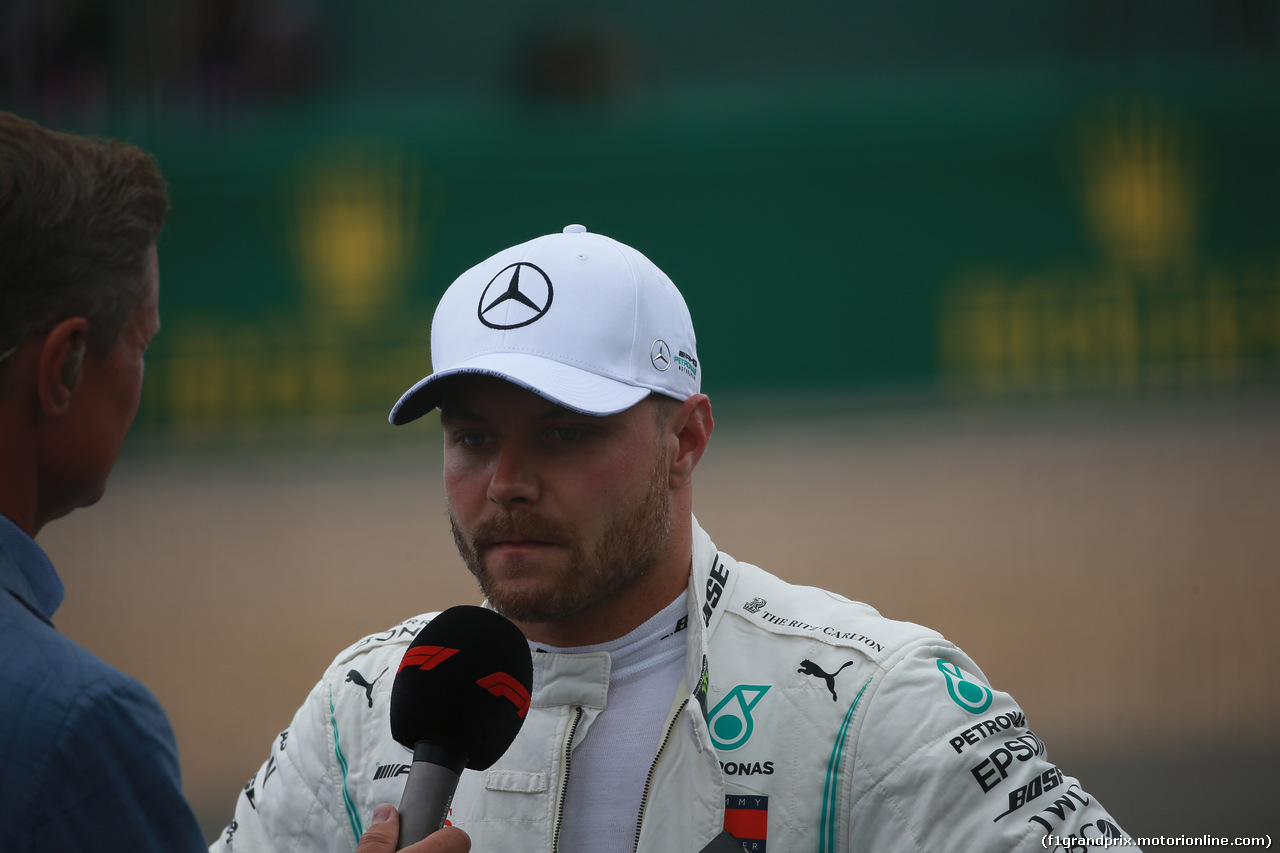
(808, 667)
(356, 678)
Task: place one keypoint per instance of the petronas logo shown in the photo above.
(730, 721)
(969, 695)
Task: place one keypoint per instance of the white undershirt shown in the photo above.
(610, 763)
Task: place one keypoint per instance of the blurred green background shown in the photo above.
(1019, 223)
(996, 199)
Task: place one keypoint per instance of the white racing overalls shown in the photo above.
(806, 722)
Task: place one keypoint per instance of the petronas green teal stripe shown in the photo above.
(831, 789)
(353, 814)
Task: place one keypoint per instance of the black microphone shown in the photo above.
(458, 701)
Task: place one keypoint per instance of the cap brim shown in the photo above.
(560, 383)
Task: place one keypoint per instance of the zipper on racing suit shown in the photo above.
(564, 778)
(648, 782)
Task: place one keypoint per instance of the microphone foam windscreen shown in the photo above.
(464, 685)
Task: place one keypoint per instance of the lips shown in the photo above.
(515, 544)
(515, 532)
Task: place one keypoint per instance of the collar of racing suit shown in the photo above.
(710, 586)
(684, 807)
(582, 678)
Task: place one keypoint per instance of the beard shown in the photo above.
(633, 540)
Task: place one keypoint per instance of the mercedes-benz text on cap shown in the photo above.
(576, 317)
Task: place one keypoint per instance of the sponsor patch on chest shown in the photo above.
(746, 818)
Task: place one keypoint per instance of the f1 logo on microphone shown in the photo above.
(505, 687)
(425, 657)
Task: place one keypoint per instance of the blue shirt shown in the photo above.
(88, 760)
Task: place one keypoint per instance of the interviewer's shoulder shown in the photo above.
(56, 678)
(52, 690)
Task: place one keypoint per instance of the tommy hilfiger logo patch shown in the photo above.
(746, 818)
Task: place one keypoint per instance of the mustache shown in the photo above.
(509, 526)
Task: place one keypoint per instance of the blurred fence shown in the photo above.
(1018, 239)
(1004, 201)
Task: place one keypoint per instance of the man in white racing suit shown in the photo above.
(682, 700)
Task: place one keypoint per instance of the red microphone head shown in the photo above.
(463, 685)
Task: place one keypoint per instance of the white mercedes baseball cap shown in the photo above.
(578, 318)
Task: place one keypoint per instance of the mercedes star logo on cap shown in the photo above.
(527, 296)
(660, 354)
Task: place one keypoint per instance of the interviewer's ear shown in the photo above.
(61, 359)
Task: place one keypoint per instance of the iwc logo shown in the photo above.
(515, 300)
(660, 355)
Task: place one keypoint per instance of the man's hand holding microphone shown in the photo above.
(458, 701)
(384, 833)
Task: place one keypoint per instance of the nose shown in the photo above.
(514, 479)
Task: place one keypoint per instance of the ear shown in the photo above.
(61, 357)
(692, 425)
